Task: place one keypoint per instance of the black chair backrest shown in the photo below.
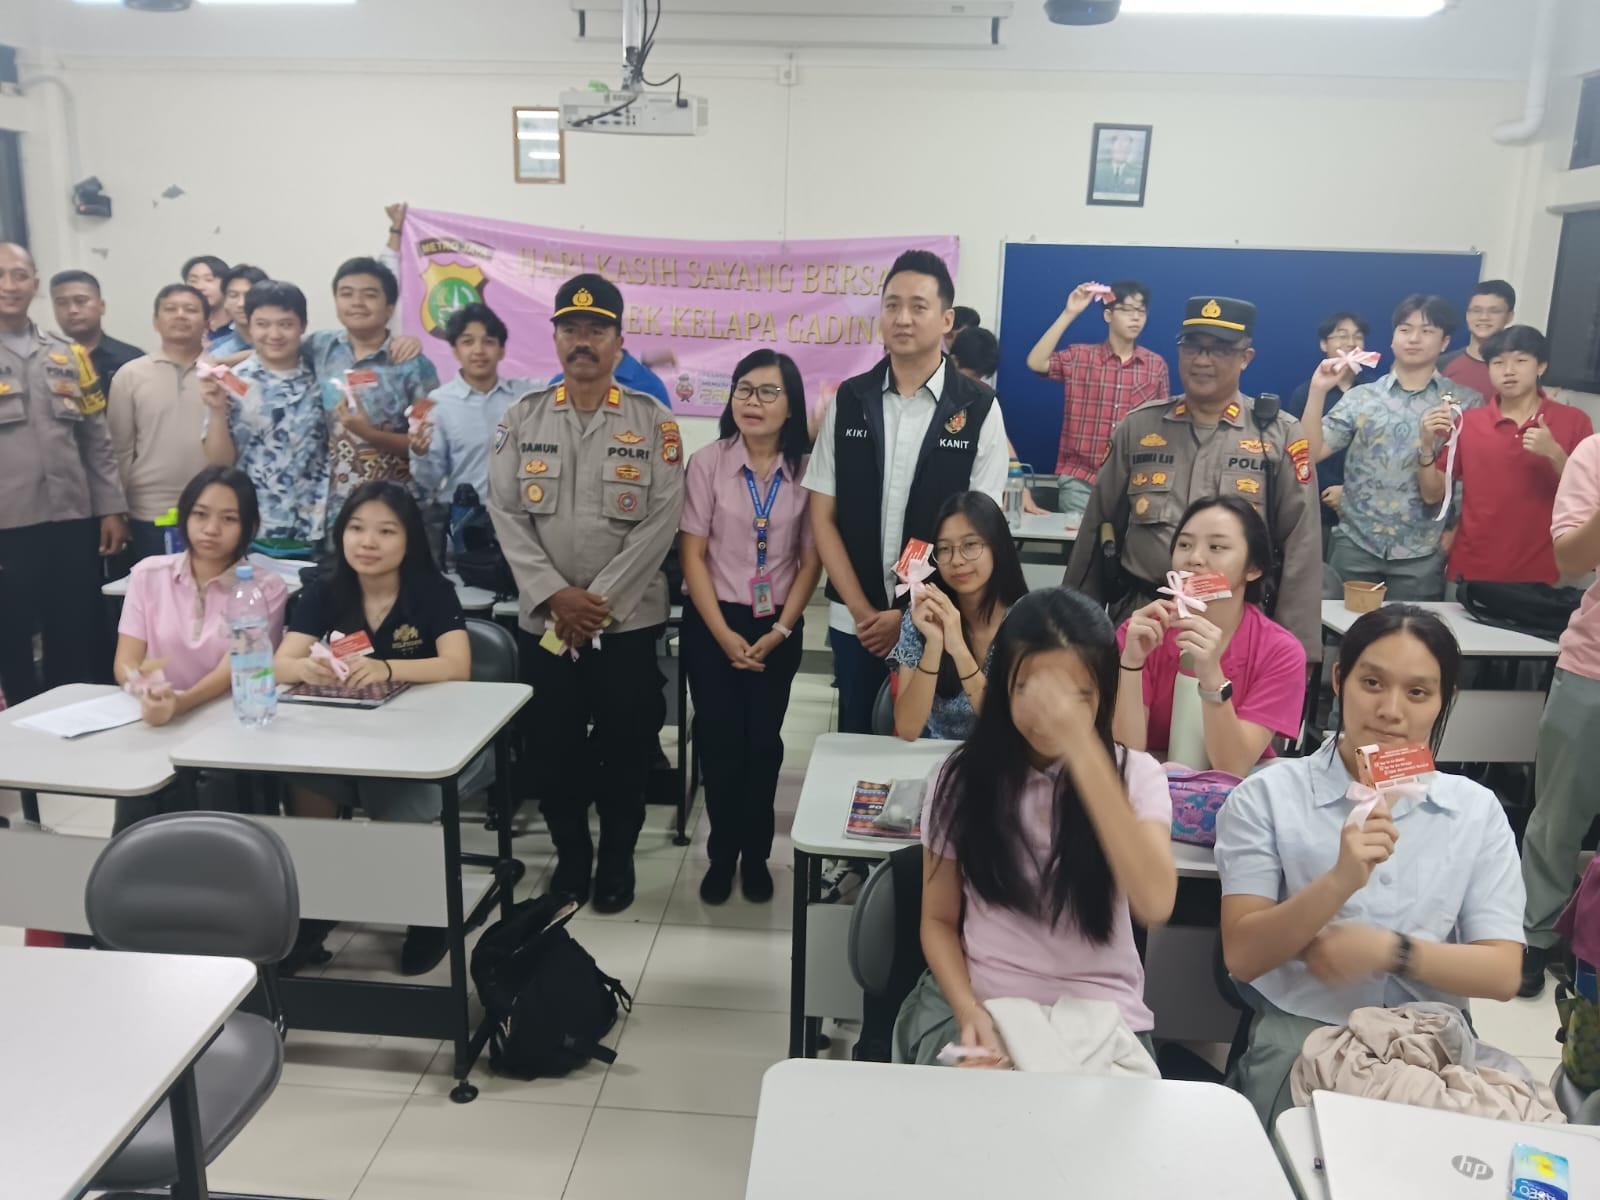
(195, 883)
(494, 651)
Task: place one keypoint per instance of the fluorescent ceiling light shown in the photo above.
(1288, 8)
(258, 3)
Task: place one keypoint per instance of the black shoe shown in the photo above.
(717, 886)
(755, 880)
(1534, 961)
(613, 888)
(424, 949)
(308, 949)
(570, 880)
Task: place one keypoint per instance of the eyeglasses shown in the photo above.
(767, 393)
(1130, 309)
(968, 548)
(1212, 349)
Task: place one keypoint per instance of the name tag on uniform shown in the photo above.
(761, 596)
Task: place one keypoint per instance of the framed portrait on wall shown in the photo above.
(539, 145)
(1119, 161)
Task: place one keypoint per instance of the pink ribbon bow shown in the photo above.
(1177, 588)
(1353, 360)
(912, 580)
(1450, 458)
(594, 644)
(1368, 798)
(142, 683)
(1100, 292)
(337, 665)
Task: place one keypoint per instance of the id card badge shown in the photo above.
(761, 596)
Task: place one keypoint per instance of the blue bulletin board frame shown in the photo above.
(1293, 290)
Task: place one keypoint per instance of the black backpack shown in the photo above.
(475, 546)
(547, 1002)
(1532, 608)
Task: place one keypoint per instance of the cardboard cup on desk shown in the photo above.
(1364, 597)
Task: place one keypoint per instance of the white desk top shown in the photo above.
(854, 1130)
(1046, 527)
(429, 731)
(73, 1083)
(1296, 1135)
(841, 760)
(1376, 1147)
(1476, 640)
(131, 760)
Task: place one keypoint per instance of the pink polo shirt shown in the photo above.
(163, 610)
(1577, 500)
(1012, 954)
(717, 506)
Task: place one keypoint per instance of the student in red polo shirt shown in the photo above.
(1509, 458)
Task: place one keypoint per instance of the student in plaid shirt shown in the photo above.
(1102, 382)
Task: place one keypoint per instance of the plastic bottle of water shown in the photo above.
(1013, 495)
(255, 689)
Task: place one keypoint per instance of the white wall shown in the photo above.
(294, 171)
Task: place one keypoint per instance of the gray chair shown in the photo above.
(1580, 1107)
(207, 883)
(494, 660)
(884, 947)
(870, 947)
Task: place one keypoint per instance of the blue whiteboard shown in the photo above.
(1293, 290)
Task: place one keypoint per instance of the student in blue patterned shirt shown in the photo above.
(277, 432)
(1386, 533)
(365, 392)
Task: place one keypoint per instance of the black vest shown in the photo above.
(944, 467)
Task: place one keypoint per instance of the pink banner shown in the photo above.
(694, 309)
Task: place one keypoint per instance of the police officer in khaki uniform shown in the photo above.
(61, 502)
(1211, 440)
(585, 489)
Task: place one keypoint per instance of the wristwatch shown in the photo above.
(1402, 956)
(1221, 696)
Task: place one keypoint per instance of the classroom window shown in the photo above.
(13, 221)
(1575, 305)
(1586, 140)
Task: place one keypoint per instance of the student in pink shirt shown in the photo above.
(1251, 670)
(1566, 798)
(749, 566)
(173, 613)
(1043, 841)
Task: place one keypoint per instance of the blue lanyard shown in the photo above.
(762, 512)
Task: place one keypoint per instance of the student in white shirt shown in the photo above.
(1421, 902)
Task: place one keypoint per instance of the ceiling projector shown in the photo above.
(1082, 12)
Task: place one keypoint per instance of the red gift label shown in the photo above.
(362, 378)
(231, 382)
(1401, 764)
(915, 552)
(352, 646)
(1207, 586)
(420, 410)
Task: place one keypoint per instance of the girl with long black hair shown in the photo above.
(1043, 840)
(948, 630)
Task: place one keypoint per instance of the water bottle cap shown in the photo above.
(244, 571)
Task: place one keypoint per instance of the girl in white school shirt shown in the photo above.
(1042, 839)
(1320, 918)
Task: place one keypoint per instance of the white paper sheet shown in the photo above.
(87, 716)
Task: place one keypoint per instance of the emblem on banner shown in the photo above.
(450, 288)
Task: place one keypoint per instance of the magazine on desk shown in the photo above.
(338, 695)
(887, 811)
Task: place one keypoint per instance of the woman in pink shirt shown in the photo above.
(749, 566)
(1043, 840)
(1251, 670)
(173, 612)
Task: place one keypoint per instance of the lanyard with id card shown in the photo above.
(761, 602)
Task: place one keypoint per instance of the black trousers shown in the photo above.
(618, 688)
(738, 723)
(50, 584)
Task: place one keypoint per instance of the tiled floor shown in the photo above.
(370, 1118)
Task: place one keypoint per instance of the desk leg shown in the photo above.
(30, 808)
(804, 1031)
(450, 813)
(509, 870)
(184, 1105)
